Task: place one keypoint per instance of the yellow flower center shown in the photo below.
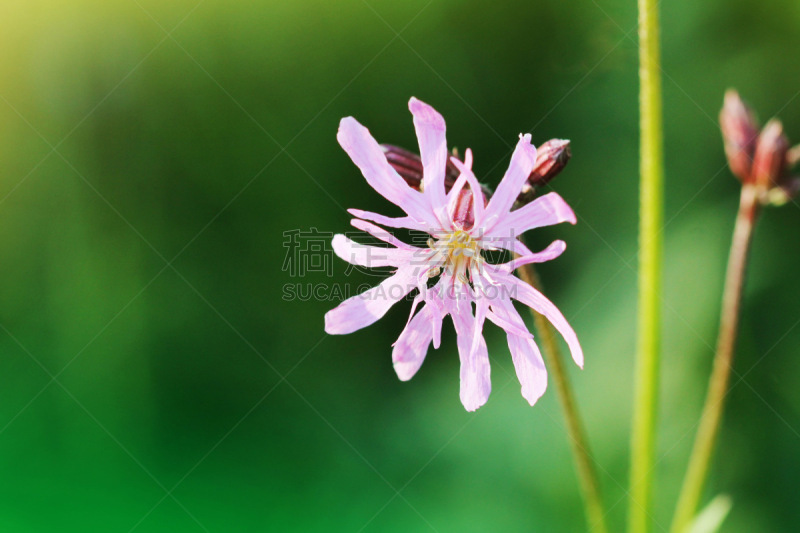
(457, 249)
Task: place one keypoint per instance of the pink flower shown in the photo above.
(461, 225)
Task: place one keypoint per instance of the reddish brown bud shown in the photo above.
(762, 162)
(551, 158)
(409, 166)
(739, 132)
(769, 163)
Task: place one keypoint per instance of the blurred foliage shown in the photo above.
(152, 157)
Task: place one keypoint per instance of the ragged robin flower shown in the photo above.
(450, 273)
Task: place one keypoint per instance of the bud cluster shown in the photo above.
(762, 158)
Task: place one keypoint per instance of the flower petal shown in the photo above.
(477, 190)
(379, 233)
(366, 153)
(366, 308)
(430, 128)
(507, 326)
(475, 382)
(524, 352)
(526, 294)
(412, 345)
(544, 211)
(555, 249)
(523, 160)
(506, 243)
(481, 310)
(392, 222)
(369, 256)
(434, 299)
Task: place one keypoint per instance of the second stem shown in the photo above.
(584, 464)
(711, 418)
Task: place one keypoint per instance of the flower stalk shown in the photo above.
(700, 459)
(763, 162)
(579, 443)
(650, 245)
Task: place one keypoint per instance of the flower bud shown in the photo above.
(407, 164)
(739, 132)
(769, 163)
(551, 158)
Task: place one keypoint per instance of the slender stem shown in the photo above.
(703, 449)
(595, 512)
(650, 245)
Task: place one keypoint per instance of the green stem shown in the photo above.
(703, 449)
(650, 246)
(590, 487)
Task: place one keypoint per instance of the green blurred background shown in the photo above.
(152, 157)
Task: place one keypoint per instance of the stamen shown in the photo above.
(459, 252)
